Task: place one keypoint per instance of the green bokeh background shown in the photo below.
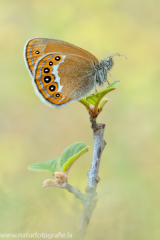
(30, 131)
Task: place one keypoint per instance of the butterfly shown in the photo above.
(62, 72)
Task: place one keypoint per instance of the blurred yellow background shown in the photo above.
(30, 131)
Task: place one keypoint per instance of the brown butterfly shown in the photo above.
(61, 72)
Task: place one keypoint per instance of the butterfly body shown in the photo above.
(61, 72)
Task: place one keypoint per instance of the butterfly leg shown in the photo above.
(95, 89)
(108, 82)
(112, 78)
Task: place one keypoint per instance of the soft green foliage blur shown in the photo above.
(30, 131)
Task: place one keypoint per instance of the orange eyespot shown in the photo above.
(58, 95)
(46, 79)
(57, 58)
(37, 51)
(46, 70)
(51, 88)
(50, 63)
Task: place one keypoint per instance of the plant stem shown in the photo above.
(74, 190)
(89, 200)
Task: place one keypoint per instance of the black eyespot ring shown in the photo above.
(37, 52)
(52, 88)
(46, 70)
(57, 95)
(47, 79)
(57, 58)
(50, 63)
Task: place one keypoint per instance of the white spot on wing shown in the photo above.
(55, 73)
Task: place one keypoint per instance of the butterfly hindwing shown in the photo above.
(60, 78)
(38, 47)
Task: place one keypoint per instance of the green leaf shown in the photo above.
(95, 99)
(102, 103)
(71, 153)
(49, 166)
(69, 163)
(113, 85)
(84, 102)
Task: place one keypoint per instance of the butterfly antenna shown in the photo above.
(117, 54)
(113, 55)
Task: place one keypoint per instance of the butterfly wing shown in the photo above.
(38, 47)
(61, 78)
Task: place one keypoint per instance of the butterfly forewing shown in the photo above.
(38, 47)
(60, 78)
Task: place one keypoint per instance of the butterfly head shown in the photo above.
(107, 63)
